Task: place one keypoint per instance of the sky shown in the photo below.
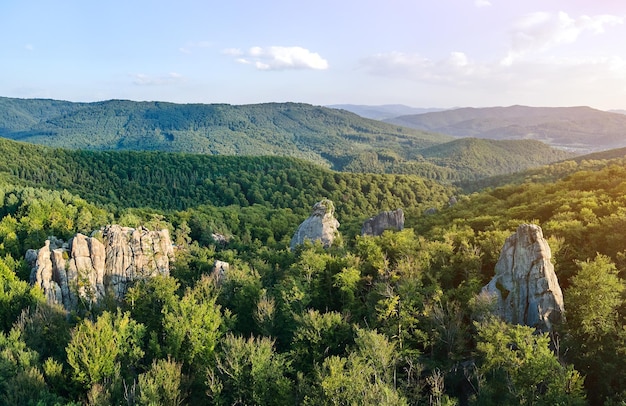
(421, 53)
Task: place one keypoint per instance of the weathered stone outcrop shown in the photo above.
(320, 226)
(430, 211)
(387, 220)
(525, 288)
(219, 238)
(220, 269)
(87, 268)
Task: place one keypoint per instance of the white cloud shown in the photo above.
(279, 58)
(538, 32)
(141, 79)
(29, 47)
(482, 3)
(549, 80)
(396, 63)
(525, 72)
(458, 59)
(455, 68)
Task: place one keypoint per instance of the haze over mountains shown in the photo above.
(577, 129)
(337, 139)
(382, 112)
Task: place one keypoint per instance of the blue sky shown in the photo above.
(422, 53)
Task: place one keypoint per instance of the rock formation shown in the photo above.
(387, 220)
(219, 238)
(320, 226)
(220, 269)
(525, 288)
(87, 268)
(430, 211)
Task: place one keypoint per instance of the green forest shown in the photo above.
(389, 320)
(336, 139)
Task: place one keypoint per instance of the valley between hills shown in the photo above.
(161, 253)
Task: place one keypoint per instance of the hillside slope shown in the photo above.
(549, 173)
(484, 158)
(333, 138)
(581, 129)
(318, 134)
(167, 181)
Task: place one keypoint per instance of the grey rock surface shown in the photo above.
(86, 269)
(320, 226)
(525, 288)
(430, 211)
(387, 220)
(220, 269)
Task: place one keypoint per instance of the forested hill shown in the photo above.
(483, 158)
(577, 128)
(549, 173)
(318, 134)
(334, 138)
(166, 181)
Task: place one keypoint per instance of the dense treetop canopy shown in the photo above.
(393, 319)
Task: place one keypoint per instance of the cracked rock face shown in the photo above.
(387, 220)
(87, 268)
(525, 288)
(320, 226)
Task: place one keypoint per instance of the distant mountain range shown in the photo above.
(382, 112)
(334, 138)
(578, 129)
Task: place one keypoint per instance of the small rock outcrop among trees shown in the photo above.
(387, 220)
(86, 269)
(525, 287)
(220, 269)
(320, 226)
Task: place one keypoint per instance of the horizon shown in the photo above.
(333, 105)
(479, 53)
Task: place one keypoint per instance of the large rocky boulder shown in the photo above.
(387, 220)
(86, 269)
(525, 288)
(320, 226)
